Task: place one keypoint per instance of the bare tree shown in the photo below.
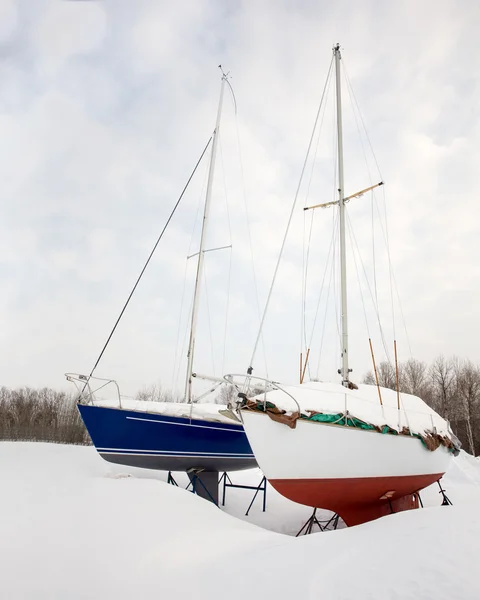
(155, 393)
(386, 376)
(40, 415)
(414, 377)
(227, 394)
(443, 377)
(468, 390)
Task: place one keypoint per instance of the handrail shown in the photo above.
(247, 378)
(84, 380)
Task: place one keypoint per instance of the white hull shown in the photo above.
(315, 450)
(359, 474)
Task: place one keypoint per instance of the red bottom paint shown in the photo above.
(357, 500)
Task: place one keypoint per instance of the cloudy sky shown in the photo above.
(105, 107)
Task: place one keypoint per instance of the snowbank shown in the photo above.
(73, 527)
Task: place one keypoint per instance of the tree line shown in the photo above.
(451, 386)
(40, 415)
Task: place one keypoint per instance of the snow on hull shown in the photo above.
(364, 404)
(206, 411)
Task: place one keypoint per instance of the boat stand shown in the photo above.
(206, 483)
(446, 500)
(418, 498)
(327, 525)
(261, 487)
(202, 483)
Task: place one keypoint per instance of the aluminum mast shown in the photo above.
(201, 258)
(344, 371)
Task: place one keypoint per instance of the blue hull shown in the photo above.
(154, 441)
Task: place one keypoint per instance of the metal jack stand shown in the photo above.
(171, 480)
(419, 498)
(331, 524)
(261, 487)
(446, 500)
(202, 483)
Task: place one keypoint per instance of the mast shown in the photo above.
(201, 258)
(344, 371)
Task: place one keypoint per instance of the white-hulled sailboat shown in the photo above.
(360, 451)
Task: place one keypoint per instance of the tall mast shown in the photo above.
(344, 371)
(201, 258)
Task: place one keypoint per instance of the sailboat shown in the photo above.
(202, 439)
(361, 451)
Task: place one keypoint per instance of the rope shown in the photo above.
(148, 260)
(290, 219)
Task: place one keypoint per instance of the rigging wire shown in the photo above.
(322, 287)
(249, 235)
(357, 115)
(349, 225)
(178, 355)
(148, 260)
(250, 368)
(231, 244)
(322, 337)
(335, 258)
(361, 117)
(207, 302)
(184, 343)
(306, 255)
(386, 234)
(327, 264)
(370, 291)
(332, 283)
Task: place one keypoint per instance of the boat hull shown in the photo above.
(359, 474)
(155, 441)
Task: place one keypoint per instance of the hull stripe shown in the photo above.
(187, 424)
(151, 451)
(185, 455)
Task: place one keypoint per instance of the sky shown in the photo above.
(105, 107)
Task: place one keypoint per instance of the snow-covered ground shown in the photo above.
(75, 527)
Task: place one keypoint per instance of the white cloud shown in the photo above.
(66, 29)
(8, 19)
(104, 109)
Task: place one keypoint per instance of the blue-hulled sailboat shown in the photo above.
(197, 438)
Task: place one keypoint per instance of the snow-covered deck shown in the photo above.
(205, 412)
(363, 403)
